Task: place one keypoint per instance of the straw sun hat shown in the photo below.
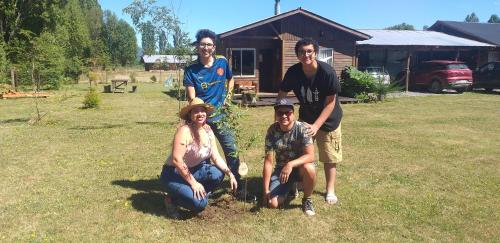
(186, 110)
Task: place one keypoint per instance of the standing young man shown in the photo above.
(316, 86)
(211, 80)
(294, 154)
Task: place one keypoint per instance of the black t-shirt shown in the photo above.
(312, 93)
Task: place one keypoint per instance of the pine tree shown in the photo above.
(494, 19)
(471, 18)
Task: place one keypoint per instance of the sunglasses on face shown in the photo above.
(287, 113)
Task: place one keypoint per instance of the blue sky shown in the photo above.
(224, 15)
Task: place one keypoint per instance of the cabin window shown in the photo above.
(243, 61)
(326, 55)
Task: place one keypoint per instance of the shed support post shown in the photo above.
(408, 70)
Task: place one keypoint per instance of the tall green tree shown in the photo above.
(162, 43)
(120, 39)
(494, 19)
(148, 39)
(3, 62)
(154, 22)
(402, 26)
(48, 58)
(127, 43)
(471, 18)
(78, 49)
(94, 18)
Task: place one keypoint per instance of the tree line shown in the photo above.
(471, 18)
(53, 42)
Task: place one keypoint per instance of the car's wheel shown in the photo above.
(460, 90)
(488, 89)
(435, 87)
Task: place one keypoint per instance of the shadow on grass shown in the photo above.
(149, 123)
(497, 91)
(150, 199)
(140, 185)
(104, 126)
(176, 94)
(149, 202)
(14, 120)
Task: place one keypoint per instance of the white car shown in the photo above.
(379, 74)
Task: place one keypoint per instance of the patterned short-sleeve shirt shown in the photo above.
(289, 145)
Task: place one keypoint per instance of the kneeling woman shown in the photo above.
(188, 176)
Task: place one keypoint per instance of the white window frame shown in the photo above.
(241, 60)
(327, 49)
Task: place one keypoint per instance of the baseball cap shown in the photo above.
(283, 102)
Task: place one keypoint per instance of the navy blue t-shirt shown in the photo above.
(312, 93)
(209, 83)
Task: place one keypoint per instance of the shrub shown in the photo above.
(355, 82)
(94, 77)
(153, 79)
(381, 89)
(362, 97)
(91, 100)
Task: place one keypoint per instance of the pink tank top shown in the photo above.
(195, 153)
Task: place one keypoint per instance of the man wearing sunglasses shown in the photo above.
(294, 153)
(316, 86)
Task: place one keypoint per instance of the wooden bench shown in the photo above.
(119, 85)
(245, 87)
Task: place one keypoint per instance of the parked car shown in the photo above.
(438, 75)
(378, 73)
(487, 76)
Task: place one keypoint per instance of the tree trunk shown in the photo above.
(13, 78)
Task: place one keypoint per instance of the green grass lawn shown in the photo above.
(414, 169)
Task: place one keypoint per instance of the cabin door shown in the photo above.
(266, 70)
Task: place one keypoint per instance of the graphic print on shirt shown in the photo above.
(307, 94)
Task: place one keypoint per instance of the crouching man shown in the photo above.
(294, 154)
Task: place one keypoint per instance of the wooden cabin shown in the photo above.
(260, 53)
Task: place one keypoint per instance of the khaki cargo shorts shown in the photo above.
(330, 145)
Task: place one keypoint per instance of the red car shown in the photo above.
(440, 74)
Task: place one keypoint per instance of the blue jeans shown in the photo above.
(278, 189)
(182, 195)
(227, 140)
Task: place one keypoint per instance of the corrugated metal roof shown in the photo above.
(487, 32)
(416, 38)
(166, 58)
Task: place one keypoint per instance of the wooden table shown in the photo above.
(119, 85)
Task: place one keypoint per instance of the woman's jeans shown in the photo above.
(180, 191)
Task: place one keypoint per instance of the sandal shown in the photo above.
(331, 199)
